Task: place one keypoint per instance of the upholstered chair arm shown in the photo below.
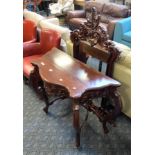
(31, 41)
(111, 27)
(31, 49)
(75, 14)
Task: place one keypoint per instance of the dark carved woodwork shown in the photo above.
(91, 32)
(35, 81)
(92, 40)
(107, 113)
(76, 120)
(44, 90)
(54, 90)
(94, 34)
(51, 78)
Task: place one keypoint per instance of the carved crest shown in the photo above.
(92, 32)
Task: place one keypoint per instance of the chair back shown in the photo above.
(49, 39)
(29, 31)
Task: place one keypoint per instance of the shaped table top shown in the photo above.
(57, 67)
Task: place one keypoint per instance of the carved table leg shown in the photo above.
(117, 101)
(46, 101)
(105, 129)
(104, 101)
(50, 103)
(116, 109)
(76, 123)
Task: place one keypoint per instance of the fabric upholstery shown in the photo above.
(122, 33)
(115, 10)
(75, 14)
(111, 26)
(105, 18)
(36, 18)
(122, 73)
(53, 20)
(127, 36)
(125, 57)
(109, 12)
(32, 16)
(97, 5)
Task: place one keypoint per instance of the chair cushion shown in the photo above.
(27, 66)
(127, 36)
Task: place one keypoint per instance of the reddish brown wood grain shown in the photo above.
(59, 68)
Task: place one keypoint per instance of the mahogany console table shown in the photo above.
(60, 75)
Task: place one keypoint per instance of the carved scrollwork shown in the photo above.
(91, 31)
(44, 90)
(56, 90)
(35, 80)
(106, 114)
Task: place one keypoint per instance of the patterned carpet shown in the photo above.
(53, 134)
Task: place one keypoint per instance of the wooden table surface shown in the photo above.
(57, 67)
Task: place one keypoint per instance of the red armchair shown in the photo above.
(29, 31)
(32, 51)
